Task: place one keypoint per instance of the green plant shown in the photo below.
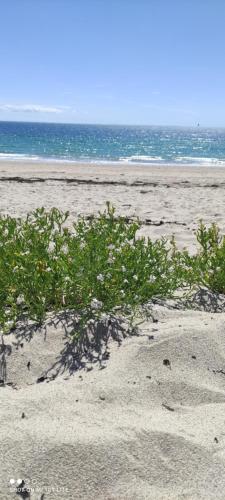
(95, 267)
(208, 266)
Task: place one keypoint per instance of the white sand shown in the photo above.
(178, 197)
(125, 425)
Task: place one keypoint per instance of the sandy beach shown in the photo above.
(138, 417)
(168, 200)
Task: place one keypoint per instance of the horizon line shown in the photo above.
(96, 124)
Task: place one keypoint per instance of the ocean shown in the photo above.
(107, 143)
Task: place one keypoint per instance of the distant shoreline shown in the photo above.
(20, 160)
(109, 168)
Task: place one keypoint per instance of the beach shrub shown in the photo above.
(94, 267)
(207, 267)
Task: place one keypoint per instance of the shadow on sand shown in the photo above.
(89, 348)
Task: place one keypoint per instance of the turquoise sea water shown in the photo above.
(125, 144)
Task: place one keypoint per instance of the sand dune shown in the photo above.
(144, 420)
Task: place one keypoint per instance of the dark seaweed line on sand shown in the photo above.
(32, 180)
(145, 222)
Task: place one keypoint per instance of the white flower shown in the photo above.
(48, 270)
(125, 281)
(104, 317)
(111, 247)
(91, 322)
(65, 249)
(100, 277)
(135, 277)
(122, 293)
(9, 324)
(20, 300)
(123, 269)
(51, 247)
(111, 259)
(96, 304)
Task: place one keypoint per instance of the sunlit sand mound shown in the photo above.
(121, 417)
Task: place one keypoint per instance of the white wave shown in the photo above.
(142, 158)
(134, 159)
(17, 156)
(199, 160)
(33, 158)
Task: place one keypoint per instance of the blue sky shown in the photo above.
(157, 62)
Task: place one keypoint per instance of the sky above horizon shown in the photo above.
(154, 62)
